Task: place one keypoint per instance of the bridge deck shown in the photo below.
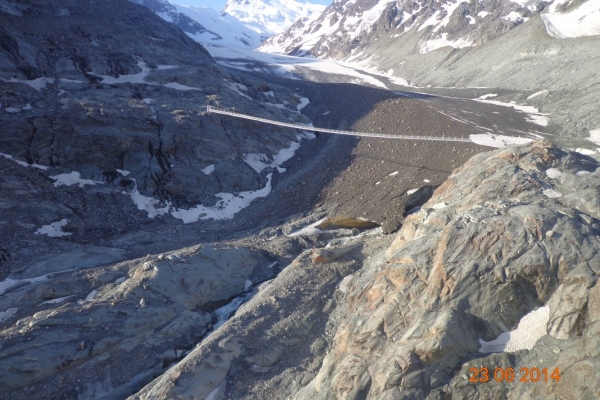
(216, 110)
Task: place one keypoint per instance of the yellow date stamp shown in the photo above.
(525, 374)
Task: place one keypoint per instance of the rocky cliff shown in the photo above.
(107, 95)
(509, 243)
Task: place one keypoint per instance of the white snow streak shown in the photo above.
(23, 163)
(308, 230)
(534, 115)
(72, 178)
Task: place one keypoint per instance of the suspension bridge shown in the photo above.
(216, 110)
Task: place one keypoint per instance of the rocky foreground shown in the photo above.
(513, 231)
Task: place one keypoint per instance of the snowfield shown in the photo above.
(270, 17)
(581, 21)
(221, 28)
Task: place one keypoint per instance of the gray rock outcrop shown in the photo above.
(493, 243)
(130, 101)
(105, 332)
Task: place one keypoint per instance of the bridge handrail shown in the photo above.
(217, 110)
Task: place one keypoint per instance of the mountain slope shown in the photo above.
(347, 24)
(105, 158)
(524, 47)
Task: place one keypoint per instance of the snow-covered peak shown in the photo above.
(347, 27)
(204, 24)
(242, 23)
(269, 17)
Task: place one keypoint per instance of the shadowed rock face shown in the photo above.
(100, 86)
(494, 243)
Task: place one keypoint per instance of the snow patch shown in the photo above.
(72, 178)
(553, 194)
(487, 96)
(439, 206)
(140, 78)
(225, 208)
(443, 41)
(411, 191)
(553, 173)
(258, 161)
(497, 141)
(224, 313)
(54, 229)
(530, 329)
(344, 284)
(303, 103)
(208, 170)
(585, 152)
(514, 16)
(594, 136)
(8, 284)
(309, 230)
(91, 295)
(38, 84)
(146, 203)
